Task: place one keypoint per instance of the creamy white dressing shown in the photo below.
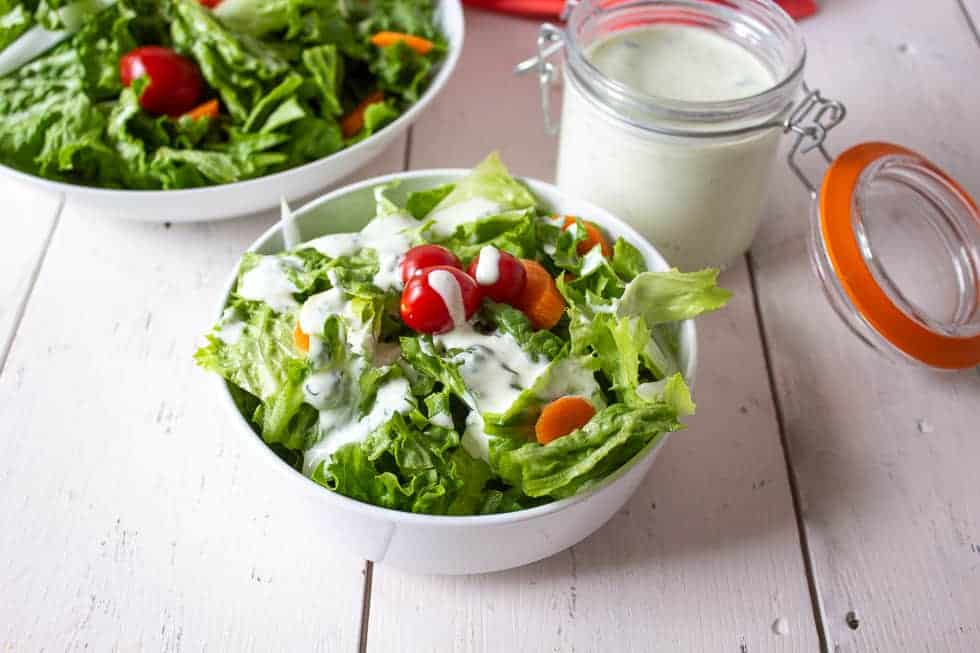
(336, 245)
(230, 328)
(494, 367)
(445, 420)
(592, 260)
(565, 377)
(488, 266)
(231, 332)
(343, 426)
(447, 287)
(450, 217)
(475, 440)
(698, 199)
(317, 308)
(267, 282)
(320, 387)
(389, 237)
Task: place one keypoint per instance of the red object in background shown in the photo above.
(552, 8)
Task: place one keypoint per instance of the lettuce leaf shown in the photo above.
(14, 21)
(514, 322)
(586, 456)
(513, 231)
(420, 203)
(410, 467)
(673, 296)
(490, 181)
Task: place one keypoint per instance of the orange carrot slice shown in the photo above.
(301, 339)
(593, 237)
(561, 417)
(209, 109)
(541, 301)
(417, 43)
(353, 122)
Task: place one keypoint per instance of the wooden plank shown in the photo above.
(134, 519)
(884, 454)
(28, 219)
(706, 555)
(485, 108)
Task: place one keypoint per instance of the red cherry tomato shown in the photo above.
(421, 257)
(424, 310)
(175, 83)
(210, 4)
(511, 279)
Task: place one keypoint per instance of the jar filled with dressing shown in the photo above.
(672, 115)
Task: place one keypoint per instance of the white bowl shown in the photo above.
(454, 545)
(262, 193)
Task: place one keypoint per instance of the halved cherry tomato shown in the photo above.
(210, 4)
(175, 82)
(424, 309)
(505, 280)
(421, 257)
(593, 237)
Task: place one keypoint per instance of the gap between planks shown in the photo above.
(365, 624)
(365, 606)
(31, 282)
(970, 20)
(811, 581)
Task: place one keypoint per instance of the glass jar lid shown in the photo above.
(897, 245)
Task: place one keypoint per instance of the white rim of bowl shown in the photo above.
(446, 69)
(308, 484)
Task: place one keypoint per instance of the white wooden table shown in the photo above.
(823, 498)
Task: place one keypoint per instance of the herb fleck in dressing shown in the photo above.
(267, 282)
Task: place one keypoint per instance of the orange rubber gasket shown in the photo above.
(874, 305)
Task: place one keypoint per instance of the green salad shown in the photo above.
(465, 353)
(167, 94)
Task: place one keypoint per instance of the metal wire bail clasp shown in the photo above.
(812, 118)
(550, 41)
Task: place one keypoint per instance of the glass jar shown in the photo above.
(691, 176)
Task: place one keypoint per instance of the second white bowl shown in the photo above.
(253, 195)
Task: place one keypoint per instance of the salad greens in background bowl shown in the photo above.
(281, 98)
(441, 431)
